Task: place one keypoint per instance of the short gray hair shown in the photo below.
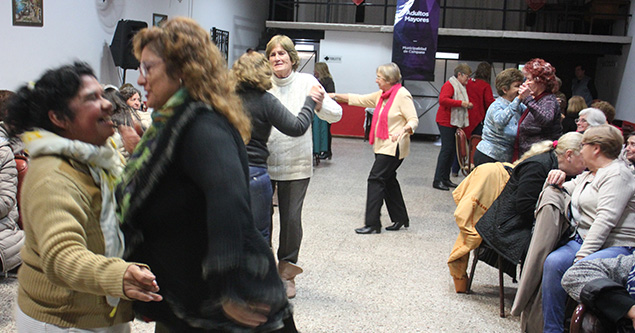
(594, 117)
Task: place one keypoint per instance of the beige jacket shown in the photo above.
(402, 112)
(65, 276)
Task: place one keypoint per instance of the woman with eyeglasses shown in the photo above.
(541, 119)
(452, 113)
(589, 117)
(184, 196)
(603, 214)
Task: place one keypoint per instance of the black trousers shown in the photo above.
(383, 186)
(480, 158)
(446, 154)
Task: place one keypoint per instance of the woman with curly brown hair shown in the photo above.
(184, 195)
(541, 120)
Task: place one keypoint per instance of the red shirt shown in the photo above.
(480, 94)
(446, 103)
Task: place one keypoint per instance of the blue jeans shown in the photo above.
(554, 296)
(261, 193)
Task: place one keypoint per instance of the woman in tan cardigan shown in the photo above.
(73, 278)
(394, 120)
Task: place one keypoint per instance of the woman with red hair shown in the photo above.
(541, 119)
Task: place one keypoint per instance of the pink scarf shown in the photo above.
(381, 129)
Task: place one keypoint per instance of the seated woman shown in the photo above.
(72, 276)
(576, 104)
(589, 117)
(122, 116)
(603, 213)
(132, 96)
(11, 235)
(607, 287)
(507, 225)
(501, 121)
(628, 153)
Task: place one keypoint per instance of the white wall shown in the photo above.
(361, 52)
(83, 29)
(625, 106)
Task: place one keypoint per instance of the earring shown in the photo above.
(180, 81)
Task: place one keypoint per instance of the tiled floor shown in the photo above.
(391, 282)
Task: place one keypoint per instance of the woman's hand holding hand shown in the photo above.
(140, 284)
(524, 91)
(556, 177)
(251, 315)
(467, 105)
(317, 94)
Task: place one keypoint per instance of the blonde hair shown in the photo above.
(252, 70)
(569, 141)
(287, 44)
(607, 137)
(391, 72)
(323, 70)
(190, 55)
(576, 104)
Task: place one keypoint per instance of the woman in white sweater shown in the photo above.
(603, 213)
(290, 159)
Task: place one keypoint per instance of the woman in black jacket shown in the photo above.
(506, 226)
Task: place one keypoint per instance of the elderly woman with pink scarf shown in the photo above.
(394, 120)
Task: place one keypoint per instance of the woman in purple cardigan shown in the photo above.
(541, 119)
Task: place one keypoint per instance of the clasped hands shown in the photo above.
(317, 94)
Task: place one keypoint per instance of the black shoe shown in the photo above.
(316, 159)
(397, 225)
(439, 185)
(368, 230)
(449, 183)
(326, 155)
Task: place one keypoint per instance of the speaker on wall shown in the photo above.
(121, 46)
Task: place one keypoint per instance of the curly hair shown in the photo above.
(5, 95)
(542, 72)
(576, 104)
(252, 71)
(30, 106)
(190, 55)
(287, 44)
(505, 79)
(607, 108)
(128, 91)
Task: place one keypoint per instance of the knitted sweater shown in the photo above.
(606, 205)
(265, 111)
(65, 277)
(541, 122)
(291, 157)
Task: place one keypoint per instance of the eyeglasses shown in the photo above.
(380, 78)
(145, 68)
(580, 120)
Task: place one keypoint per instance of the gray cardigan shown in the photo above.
(606, 204)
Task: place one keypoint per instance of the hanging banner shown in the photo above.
(415, 38)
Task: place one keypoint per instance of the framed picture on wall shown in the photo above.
(28, 13)
(158, 19)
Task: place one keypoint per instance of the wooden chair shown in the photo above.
(501, 285)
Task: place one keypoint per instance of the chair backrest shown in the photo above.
(21, 164)
(474, 140)
(462, 151)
